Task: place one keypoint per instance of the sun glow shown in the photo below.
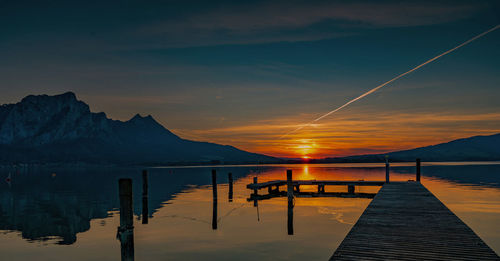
(305, 147)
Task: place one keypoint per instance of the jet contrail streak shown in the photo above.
(393, 79)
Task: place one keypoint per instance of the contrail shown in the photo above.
(393, 79)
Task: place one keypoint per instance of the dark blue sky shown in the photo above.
(245, 72)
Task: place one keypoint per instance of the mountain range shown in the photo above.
(477, 148)
(60, 128)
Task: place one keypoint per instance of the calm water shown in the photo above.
(63, 214)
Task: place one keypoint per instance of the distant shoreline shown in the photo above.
(339, 164)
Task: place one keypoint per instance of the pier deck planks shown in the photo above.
(406, 222)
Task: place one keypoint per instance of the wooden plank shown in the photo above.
(266, 184)
(406, 222)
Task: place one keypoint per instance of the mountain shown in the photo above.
(477, 148)
(62, 129)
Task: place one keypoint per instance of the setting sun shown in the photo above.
(305, 147)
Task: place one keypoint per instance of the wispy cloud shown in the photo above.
(295, 21)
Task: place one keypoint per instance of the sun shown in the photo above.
(304, 148)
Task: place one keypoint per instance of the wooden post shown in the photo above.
(289, 184)
(387, 169)
(126, 230)
(214, 196)
(145, 209)
(126, 214)
(418, 170)
(255, 192)
(350, 189)
(230, 182)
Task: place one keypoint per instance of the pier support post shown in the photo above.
(350, 189)
(289, 185)
(255, 192)
(387, 167)
(145, 209)
(255, 182)
(214, 197)
(418, 170)
(126, 229)
(230, 183)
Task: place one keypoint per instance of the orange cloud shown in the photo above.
(350, 133)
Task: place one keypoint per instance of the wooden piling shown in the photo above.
(387, 167)
(126, 213)
(214, 183)
(255, 191)
(145, 209)
(289, 184)
(418, 170)
(126, 230)
(214, 196)
(350, 189)
(230, 183)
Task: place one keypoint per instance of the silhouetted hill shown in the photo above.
(477, 148)
(61, 128)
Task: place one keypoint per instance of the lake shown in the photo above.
(73, 214)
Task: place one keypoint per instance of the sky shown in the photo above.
(244, 73)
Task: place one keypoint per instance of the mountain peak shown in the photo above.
(140, 119)
(67, 97)
(60, 128)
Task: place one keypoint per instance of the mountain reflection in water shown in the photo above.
(80, 207)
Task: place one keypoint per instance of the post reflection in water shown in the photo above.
(72, 215)
(126, 229)
(290, 216)
(214, 196)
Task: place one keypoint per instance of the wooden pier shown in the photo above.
(406, 222)
(274, 186)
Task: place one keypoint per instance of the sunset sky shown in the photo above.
(244, 73)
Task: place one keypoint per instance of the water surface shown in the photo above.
(61, 214)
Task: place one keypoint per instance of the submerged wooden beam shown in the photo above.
(407, 222)
(254, 197)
